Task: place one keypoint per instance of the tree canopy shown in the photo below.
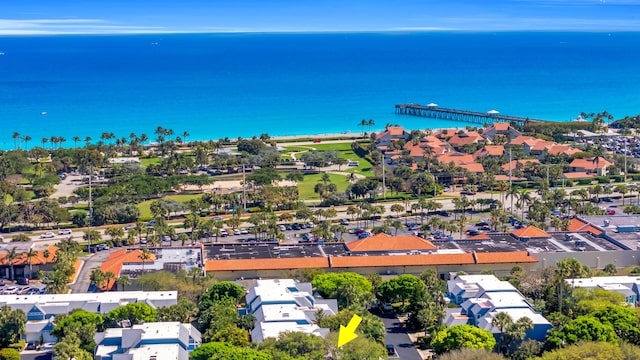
(462, 336)
(135, 313)
(226, 351)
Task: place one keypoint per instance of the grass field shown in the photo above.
(149, 161)
(306, 187)
(344, 152)
(145, 206)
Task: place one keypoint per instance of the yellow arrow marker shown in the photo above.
(348, 333)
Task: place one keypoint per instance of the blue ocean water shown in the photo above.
(218, 85)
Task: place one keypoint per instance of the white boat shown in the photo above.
(43, 113)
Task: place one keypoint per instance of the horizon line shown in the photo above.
(393, 30)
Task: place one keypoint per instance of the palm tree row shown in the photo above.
(12, 256)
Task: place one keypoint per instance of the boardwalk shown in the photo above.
(473, 117)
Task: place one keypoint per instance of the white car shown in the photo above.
(64, 232)
(47, 235)
(10, 290)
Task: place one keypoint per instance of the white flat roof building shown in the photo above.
(482, 297)
(629, 286)
(285, 305)
(164, 340)
(39, 307)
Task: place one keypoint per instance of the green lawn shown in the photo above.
(297, 148)
(305, 188)
(336, 147)
(145, 206)
(149, 161)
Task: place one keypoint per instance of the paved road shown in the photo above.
(91, 262)
(397, 336)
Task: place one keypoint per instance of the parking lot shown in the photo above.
(20, 287)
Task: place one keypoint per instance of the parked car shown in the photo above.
(467, 192)
(22, 281)
(217, 218)
(482, 223)
(611, 212)
(101, 247)
(2, 282)
(344, 222)
(47, 235)
(10, 290)
(391, 350)
(32, 291)
(129, 227)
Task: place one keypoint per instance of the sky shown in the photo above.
(29, 17)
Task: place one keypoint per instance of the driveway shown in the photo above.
(93, 261)
(397, 336)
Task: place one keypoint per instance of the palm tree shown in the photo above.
(30, 255)
(44, 141)
(502, 321)
(144, 255)
(622, 189)
(370, 123)
(75, 141)
(16, 139)
(97, 278)
(26, 140)
(363, 123)
(108, 276)
(123, 281)
(523, 199)
(12, 256)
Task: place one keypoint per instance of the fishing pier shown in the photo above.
(434, 112)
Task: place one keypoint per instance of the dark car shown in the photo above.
(391, 350)
(358, 231)
(444, 213)
(482, 223)
(22, 281)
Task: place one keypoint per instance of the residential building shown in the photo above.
(40, 307)
(481, 297)
(23, 266)
(489, 150)
(597, 165)
(130, 261)
(629, 286)
(463, 138)
(282, 305)
(501, 128)
(157, 340)
(391, 133)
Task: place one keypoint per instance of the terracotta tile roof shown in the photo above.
(39, 259)
(577, 175)
(473, 167)
(466, 138)
(504, 257)
(457, 158)
(501, 126)
(267, 264)
(591, 164)
(577, 225)
(490, 150)
(559, 149)
(401, 260)
(541, 145)
(530, 232)
(385, 242)
(122, 256)
(524, 162)
(395, 130)
(520, 140)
